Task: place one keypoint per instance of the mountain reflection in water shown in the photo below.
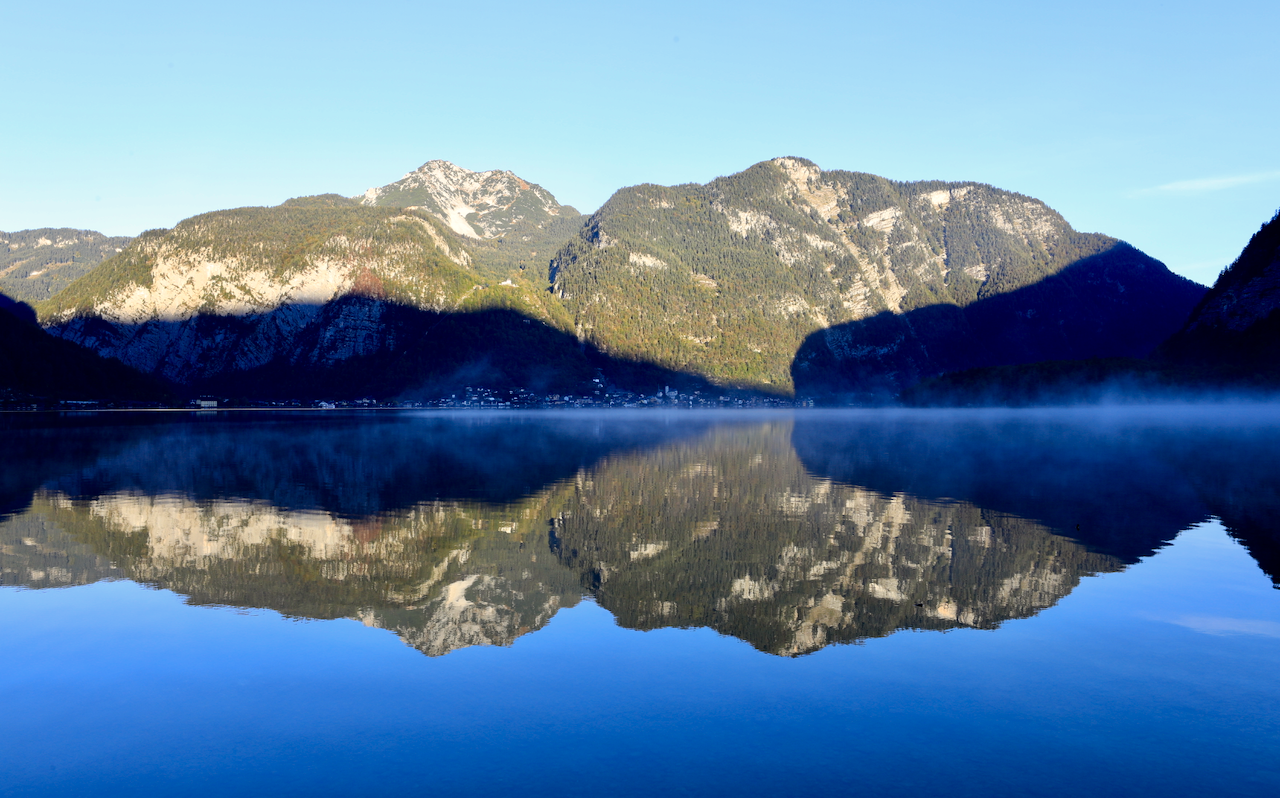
(788, 531)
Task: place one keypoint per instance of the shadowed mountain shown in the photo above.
(782, 277)
(360, 346)
(1228, 347)
(1114, 304)
(35, 364)
(1237, 325)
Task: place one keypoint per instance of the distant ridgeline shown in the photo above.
(36, 264)
(782, 279)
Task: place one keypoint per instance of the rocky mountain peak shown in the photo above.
(799, 170)
(475, 204)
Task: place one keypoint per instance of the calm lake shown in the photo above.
(1041, 603)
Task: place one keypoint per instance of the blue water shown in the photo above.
(1159, 678)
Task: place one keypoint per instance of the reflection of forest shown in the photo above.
(730, 531)
(1122, 481)
(723, 528)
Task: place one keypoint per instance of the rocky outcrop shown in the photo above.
(475, 204)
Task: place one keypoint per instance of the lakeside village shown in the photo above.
(468, 398)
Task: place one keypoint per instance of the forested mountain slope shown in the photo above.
(782, 278)
(731, 278)
(36, 264)
(1238, 321)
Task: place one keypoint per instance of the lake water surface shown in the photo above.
(895, 602)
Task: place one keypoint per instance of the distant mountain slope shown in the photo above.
(36, 264)
(730, 279)
(515, 224)
(1237, 324)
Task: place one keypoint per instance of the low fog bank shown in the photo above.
(1208, 410)
(1095, 382)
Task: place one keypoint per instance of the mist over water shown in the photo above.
(496, 543)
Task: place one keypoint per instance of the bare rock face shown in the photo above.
(475, 204)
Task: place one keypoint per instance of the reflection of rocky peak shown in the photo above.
(480, 610)
(441, 575)
(731, 532)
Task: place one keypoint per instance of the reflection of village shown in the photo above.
(726, 530)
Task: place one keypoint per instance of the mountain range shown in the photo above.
(783, 279)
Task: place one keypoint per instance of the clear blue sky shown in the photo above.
(1155, 122)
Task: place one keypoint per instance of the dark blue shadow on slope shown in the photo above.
(412, 354)
(1117, 303)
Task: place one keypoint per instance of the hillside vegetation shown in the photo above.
(782, 278)
(729, 279)
(1238, 321)
(36, 264)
